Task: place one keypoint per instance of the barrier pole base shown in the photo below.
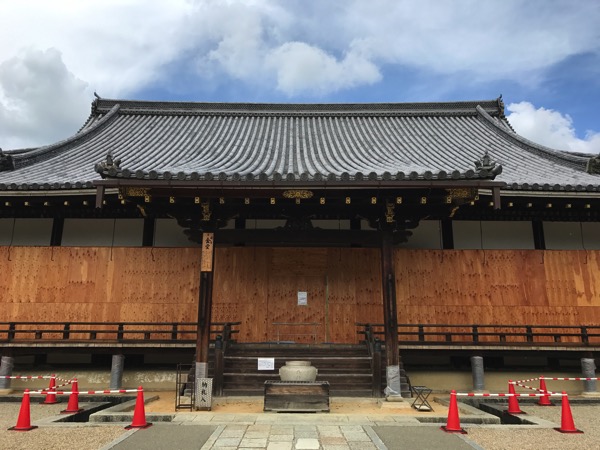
(22, 428)
(569, 431)
(130, 427)
(66, 411)
(520, 413)
(453, 430)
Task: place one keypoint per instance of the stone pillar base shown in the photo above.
(116, 371)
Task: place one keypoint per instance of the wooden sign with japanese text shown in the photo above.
(208, 241)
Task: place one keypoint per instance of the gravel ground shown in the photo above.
(67, 437)
(524, 438)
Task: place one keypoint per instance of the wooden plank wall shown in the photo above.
(498, 287)
(98, 284)
(259, 286)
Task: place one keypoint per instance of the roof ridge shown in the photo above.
(26, 158)
(560, 156)
(146, 106)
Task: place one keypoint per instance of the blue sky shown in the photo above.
(543, 56)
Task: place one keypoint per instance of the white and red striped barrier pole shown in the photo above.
(570, 378)
(504, 394)
(27, 377)
(106, 391)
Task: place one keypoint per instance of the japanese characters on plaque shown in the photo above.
(204, 393)
(208, 241)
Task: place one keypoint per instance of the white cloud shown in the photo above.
(40, 100)
(303, 68)
(297, 47)
(550, 128)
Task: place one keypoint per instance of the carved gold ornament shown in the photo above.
(133, 192)
(298, 194)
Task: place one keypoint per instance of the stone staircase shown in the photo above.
(346, 367)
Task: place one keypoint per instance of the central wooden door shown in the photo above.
(297, 309)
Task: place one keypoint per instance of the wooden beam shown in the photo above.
(99, 195)
(257, 186)
(205, 298)
(390, 316)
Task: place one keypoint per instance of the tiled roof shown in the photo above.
(252, 142)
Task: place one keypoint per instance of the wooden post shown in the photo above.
(390, 316)
(376, 386)
(205, 304)
(219, 366)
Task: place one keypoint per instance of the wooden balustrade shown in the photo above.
(149, 332)
(477, 334)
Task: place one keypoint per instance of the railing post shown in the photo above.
(421, 333)
(226, 332)
(219, 367)
(584, 335)
(67, 331)
(376, 382)
(475, 333)
(529, 333)
(174, 332)
(120, 332)
(11, 330)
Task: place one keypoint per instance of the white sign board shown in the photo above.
(302, 298)
(266, 363)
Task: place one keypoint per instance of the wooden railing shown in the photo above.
(374, 348)
(475, 334)
(147, 332)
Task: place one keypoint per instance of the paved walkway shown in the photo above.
(289, 431)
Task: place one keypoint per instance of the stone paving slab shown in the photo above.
(420, 438)
(166, 436)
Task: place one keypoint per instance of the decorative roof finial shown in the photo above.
(593, 165)
(96, 95)
(6, 162)
(487, 167)
(110, 164)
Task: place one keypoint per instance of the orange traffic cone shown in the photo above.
(453, 422)
(513, 403)
(544, 399)
(73, 405)
(51, 396)
(566, 418)
(139, 414)
(24, 420)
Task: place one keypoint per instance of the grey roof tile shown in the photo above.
(258, 142)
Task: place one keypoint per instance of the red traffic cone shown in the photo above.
(51, 396)
(544, 399)
(453, 422)
(73, 405)
(566, 418)
(513, 403)
(139, 414)
(24, 420)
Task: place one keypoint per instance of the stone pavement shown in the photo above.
(292, 431)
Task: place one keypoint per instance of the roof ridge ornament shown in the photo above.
(592, 167)
(500, 106)
(6, 162)
(487, 167)
(109, 166)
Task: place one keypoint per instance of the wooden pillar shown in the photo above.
(205, 305)
(390, 316)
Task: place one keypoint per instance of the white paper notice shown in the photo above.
(266, 363)
(302, 298)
